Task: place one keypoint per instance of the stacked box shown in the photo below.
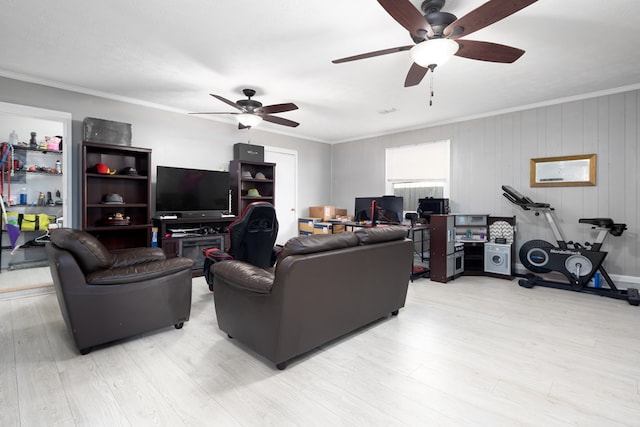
(327, 228)
(338, 226)
(305, 225)
(324, 212)
(327, 212)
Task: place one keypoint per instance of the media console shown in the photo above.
(187, 236)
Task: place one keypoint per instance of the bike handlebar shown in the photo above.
(525, 203)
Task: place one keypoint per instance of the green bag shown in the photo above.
(30, 222)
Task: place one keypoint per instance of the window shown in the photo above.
(418, 171)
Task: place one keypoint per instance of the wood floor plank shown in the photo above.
(184, 396)
(474, 351)
(9, 410)
(41, 394)
(87, 392)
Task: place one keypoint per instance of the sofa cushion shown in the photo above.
(135, 256)
(89, 253)
(370, 235)
(317, 243)
(139, 272)
(243, 276)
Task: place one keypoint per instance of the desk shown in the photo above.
(412, 232)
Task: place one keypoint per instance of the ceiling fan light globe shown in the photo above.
(248, 119)
(434, 51)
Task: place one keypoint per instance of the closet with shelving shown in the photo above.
(33, 179)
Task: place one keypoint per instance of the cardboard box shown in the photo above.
(324, 212)
(305, 225)
(338, 228)
(340, 212)
(328, 228)
(250, 152)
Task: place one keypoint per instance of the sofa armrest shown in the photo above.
(244, 276)
(135, 256)
(139, 272)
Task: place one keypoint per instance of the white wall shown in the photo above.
(176, 139)
(487, 153)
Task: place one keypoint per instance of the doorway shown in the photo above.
(286, 190)
(22, 269)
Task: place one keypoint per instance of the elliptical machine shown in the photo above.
(578, 263)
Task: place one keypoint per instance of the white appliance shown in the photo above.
(497, 258)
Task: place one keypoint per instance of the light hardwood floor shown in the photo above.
(27, 281)
(475, 351)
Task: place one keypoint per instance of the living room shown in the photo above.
(475, 351)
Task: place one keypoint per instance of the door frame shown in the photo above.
(293, 153)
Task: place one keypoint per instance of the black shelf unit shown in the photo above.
(240, 185)
(135, 190)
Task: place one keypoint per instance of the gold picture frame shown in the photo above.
(563, 171)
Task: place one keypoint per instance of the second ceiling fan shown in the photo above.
(439, 33)
(251, 112)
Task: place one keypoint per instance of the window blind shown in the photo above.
(421, 162)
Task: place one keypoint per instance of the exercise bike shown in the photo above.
(578, 263)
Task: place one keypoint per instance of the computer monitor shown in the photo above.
(384, 209)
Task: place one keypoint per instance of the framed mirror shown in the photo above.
(563, 171)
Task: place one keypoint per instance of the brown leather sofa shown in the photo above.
(105, 296)
(322, 287)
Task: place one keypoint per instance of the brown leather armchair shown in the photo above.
(105, 296)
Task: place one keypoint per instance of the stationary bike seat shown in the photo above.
(598, 222)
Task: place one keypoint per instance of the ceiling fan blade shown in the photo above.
(408, 16)
(487, 14)
(372, 54)
(486, 51)
(226, 101)
(276, 108)
(415, 75)
(279, 120)
(215, 113)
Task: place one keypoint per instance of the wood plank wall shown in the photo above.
(489, 152)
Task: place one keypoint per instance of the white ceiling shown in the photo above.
(174, 53)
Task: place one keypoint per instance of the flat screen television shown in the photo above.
(384, 209)
(191, 192)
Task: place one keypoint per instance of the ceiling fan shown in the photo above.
(437, 35)
(252, 112)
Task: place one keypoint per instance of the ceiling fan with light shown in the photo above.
(251, 112)
(438, 35)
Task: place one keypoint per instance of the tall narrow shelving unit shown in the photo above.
(245, 175)
(134, 189)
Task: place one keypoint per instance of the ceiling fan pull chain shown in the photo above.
(431, 90)
(432, 67)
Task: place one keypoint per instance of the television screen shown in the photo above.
(388, 209)
(191, 191)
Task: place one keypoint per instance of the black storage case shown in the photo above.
(250, 152)
(106, 131)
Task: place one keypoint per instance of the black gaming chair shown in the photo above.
(252, 239)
